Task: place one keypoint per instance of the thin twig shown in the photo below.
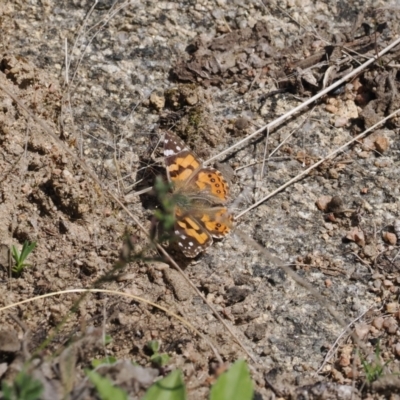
(81, 29)
(66, 62)
(293, 111)
(336, 343)
(305, 172)
(265, 156)
(115, 292)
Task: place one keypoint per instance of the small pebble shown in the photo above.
(375, 332)
(344, 360)
(126, 277)
(322, 202)
(328, 283)
(157, 100)
(377, 283)
(337, 376)
(341, 121)
(331, 108)
(333, 173)
(382, 163)
(361, 330)
(123, 319)
(390, 325)
(336, 204)
(396, 227)
(242, 123)
(370, 250)
(392, 329)
(390, 238)
(381, 144)
(392, 308)
(9, 341)
(363, 154)
(160, 266)
(285, 205)
(378, 322)
(356, 235)
(351, 373)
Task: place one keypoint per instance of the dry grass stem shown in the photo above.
(305, 172)
(332, 349)
(123, 294)
(311, 100)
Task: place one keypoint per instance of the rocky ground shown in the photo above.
(86, 91)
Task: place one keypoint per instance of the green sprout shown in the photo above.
(105, 388)
(20, 258)
(374, 369)
(165, 214)
(157, 358)
(24, 387)
(105, 360)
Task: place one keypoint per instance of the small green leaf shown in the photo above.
(235, 384)
(105, 388)
(15, 253)
(24, 387)
(105, 360)
(160, 359)
(171, 387)
(7, 391)
(154, 346)
(107, 339)
(27, 248)
(374, 369)
(20, 258)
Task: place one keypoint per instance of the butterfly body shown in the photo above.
(200, 194)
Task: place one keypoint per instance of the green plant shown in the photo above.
(165, 214)
(172, 387)
(20, 258)
(374, 369)
(105, 388)
(234, 384)
(24, 387)
(157, 358)
(107, 339)
(105, 360)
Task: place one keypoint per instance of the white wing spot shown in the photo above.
(190, 244)
(177, 232)
(180, 244)
(168, 153)
(183, 237)
(178, 148)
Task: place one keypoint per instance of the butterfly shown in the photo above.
(199, 193)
